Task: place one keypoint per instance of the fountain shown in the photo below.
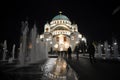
(107, 50)
(39, 49)
(32, 49)
(13, 55)
(38, 44)
(21, 56)
(99, 50)
(33, 53)
(4, 50)
(115, 49)
(23, 44)
(46, 51)
(13, 52)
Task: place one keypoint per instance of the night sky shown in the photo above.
(93, 17)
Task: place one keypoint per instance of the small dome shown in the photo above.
(60, 17)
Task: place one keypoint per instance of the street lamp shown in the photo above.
(80, 36)
(83, 39)
(77, 42)
(56, 46)
(41, 36)
(115, 43)
(51, 42)
(83, 45)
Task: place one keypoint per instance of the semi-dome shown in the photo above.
(60, 17)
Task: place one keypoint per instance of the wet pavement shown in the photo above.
(58, 69)
(29, 72)
(99, 70)
(52, 69)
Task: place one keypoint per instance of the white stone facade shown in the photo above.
(60, 33)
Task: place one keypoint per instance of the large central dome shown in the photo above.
(60, 17)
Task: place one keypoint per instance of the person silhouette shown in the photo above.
(69, 52)
(91, 51)
(77, 51)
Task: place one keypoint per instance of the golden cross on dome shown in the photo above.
(60, 12)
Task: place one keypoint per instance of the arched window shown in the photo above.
(57, 39)
(74, 29)
(47, 29)
(60, 22)
(65, 39)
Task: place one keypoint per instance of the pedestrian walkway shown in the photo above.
(96, 56)
(101, 70)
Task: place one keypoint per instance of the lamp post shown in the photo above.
(46, 44)
(51, 50)
(83, 45)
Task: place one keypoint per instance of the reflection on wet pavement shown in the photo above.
(59, 71)
(52, 69)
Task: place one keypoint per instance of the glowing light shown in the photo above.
(60, 35)
(77, 42)
(66, 45)
(60, 12)
(60, 39)
(41, 36)
(84, 39)
(51, 42)
(115, 43)
(61, 49)
(64, 65)
(80, 50)
(56, 45)
(101, 45)
(47, 39)
(79, 36)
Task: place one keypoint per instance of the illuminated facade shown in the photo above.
(60, 33)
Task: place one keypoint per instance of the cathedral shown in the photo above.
(60, 33)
